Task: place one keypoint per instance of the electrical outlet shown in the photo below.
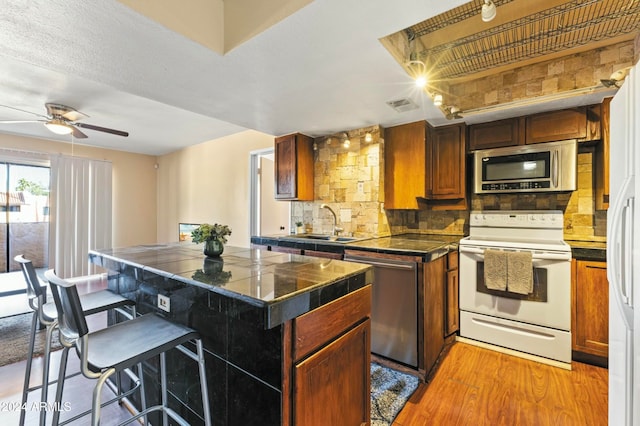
(360, 188)
(164, 303)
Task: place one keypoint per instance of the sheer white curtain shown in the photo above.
(80, 212)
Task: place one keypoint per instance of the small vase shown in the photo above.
(213, 248)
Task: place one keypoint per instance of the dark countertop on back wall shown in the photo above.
(427, 246)
(588, 250)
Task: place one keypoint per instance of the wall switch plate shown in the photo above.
(164, 303)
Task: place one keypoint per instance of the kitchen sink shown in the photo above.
(322, 237)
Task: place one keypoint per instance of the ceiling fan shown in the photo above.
(62, 120)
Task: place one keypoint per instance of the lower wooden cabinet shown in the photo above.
(335, 375)
(331, 363)
(590, 302)
(452, 308)
(432, 313)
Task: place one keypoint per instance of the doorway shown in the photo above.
(268, 216)
(24, 220)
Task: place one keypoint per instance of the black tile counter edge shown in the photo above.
(274, 313)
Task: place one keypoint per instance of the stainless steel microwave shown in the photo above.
(544, 167)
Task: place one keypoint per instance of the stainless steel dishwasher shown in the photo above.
(394, 311)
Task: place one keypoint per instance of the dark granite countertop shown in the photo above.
(427, 246)
(285, 285)
(588, 250)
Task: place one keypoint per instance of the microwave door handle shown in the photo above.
(555, 168)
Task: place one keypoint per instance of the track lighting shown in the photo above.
(418, 70)
(345, 140)
(615, 78)
(488, 10)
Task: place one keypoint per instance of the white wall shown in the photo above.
(134, 185)
(208, 182)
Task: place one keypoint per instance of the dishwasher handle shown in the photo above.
(398, 264)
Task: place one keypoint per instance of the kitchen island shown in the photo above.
(287, 337)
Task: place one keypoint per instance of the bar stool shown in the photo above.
(105, 352)
(46, 314)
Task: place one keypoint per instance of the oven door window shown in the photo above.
(514, 167)
(539, 293)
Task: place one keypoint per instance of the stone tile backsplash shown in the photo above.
(351, 182)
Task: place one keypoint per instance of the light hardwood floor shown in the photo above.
(472, 386)
(475, 386)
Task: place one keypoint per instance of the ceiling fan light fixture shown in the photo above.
(488, 11)
(437, 99)
(58, 127)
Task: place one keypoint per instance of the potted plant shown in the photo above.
(299, 227)
(213, 236)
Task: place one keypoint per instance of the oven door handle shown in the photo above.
(534, 255)
(409, 266)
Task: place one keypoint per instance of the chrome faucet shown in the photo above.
(336, 229)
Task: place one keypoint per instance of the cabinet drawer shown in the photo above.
(324, 254)
(289, 250)
(318, 327)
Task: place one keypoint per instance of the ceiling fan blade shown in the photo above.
(22, 110)
(102, 129)
(59, 110)
(77, 133)
(20, 121)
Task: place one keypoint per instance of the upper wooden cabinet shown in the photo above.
(556, 126)
(446, 158)
(581, 123)
(494, 134)
(405, 165)
(426, 164)
(602, 190)
(294, 167)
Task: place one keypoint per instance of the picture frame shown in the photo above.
(184, 231)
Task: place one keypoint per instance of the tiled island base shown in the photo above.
(265, 320)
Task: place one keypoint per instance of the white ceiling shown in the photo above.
(319, 71)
